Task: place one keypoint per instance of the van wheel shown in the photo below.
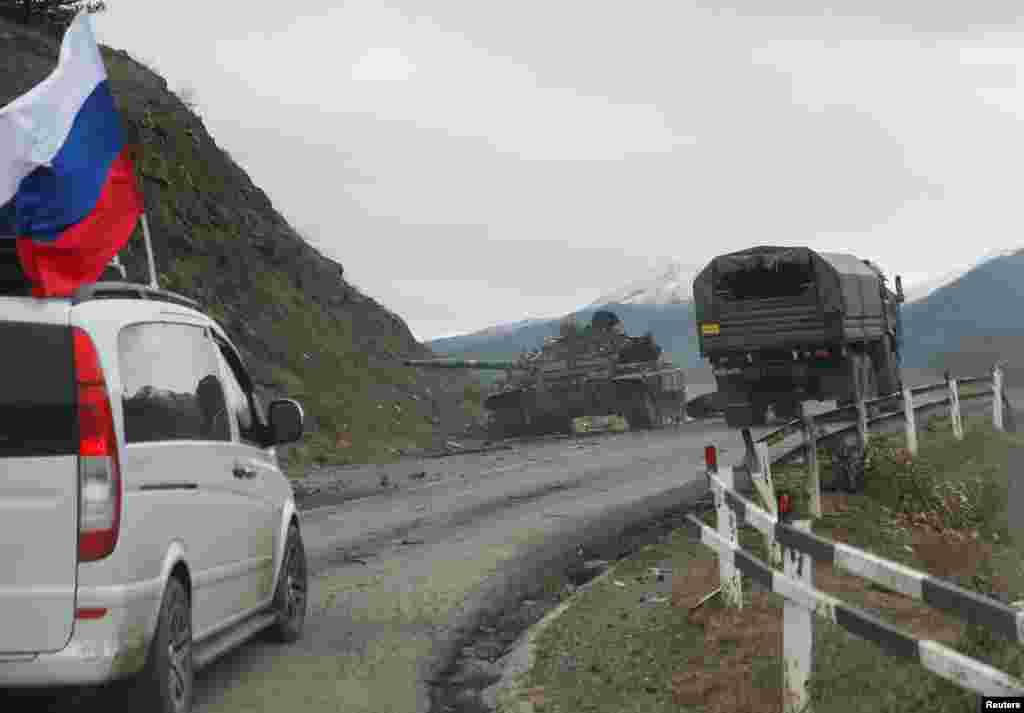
(165, 683)
(290, 599)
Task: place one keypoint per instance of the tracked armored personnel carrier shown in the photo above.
(597, 370)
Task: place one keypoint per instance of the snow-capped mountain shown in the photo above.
(920, 290)
(671, 283)
(500, 330)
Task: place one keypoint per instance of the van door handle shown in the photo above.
(241, 471)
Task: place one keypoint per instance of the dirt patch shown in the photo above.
(916, 618)
(834, 503)
(692, 585)
(740, 669)
(950, 553)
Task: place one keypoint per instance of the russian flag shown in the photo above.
(68, 191)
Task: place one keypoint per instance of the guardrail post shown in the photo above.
(797, 632)
(813, 471)
(997, 397)
(729, 576)
(749, 450)
(954, 408)
(862, 424)
(910, 421)
(766, 488)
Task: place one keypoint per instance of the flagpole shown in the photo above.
(149, 252)
(136, 151)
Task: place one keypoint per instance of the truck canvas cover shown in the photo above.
(791, 294)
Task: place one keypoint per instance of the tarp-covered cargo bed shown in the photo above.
(783, 297)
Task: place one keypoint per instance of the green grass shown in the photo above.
(624, 653)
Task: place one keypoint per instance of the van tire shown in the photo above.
(165, 684)
(292, 594)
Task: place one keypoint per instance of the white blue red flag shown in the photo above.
(68, 191)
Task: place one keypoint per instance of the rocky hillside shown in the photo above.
(305, 331)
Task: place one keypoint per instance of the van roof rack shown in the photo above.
(130, 290)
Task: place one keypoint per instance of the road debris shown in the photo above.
(706, 598)
(353, 558)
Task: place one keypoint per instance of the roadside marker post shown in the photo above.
(765, 487)
(997, 397)
(813, 470)
(954, 408)
(910, 420)
(728, 528)
(798, 628)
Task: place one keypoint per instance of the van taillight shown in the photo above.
(99, 472)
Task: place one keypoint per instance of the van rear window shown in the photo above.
(37, 391)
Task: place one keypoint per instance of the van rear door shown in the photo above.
(38, 476)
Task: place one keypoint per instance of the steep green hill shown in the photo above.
(217, 238)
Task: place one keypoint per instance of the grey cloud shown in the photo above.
(917, 15)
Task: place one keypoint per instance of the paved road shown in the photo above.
(379, 628)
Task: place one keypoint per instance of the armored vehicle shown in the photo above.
(593, 371)
(783, 325)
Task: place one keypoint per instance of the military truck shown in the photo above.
(784, 325)
(597, 370)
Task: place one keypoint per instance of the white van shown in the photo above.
(145, 526)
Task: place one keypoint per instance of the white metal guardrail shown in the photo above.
(802, 547)
(795, 584)
(1002, 415)
(1000, 411)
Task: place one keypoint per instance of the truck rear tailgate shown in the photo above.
(780, 323)
(38, 476)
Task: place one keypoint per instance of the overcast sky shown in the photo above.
(473, 162)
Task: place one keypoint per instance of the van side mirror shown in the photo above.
(899, 289)
(286, 421)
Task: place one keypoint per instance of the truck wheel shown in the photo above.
(759, 414)
(787, 410)
(885, 369)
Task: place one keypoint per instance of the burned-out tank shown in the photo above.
(597, 370)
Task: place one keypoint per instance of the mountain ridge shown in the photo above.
(931, 325)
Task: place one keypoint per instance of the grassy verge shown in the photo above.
(943, 512)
